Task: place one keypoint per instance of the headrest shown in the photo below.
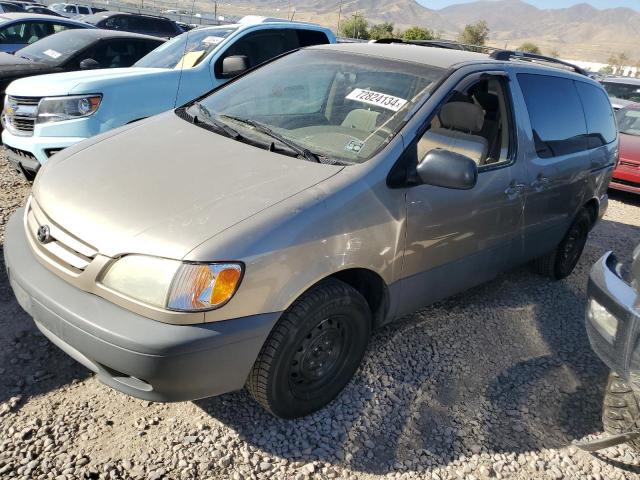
(488, 101)
(466, 117)
(361, 119)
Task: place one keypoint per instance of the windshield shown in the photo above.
(186, 50)
(625, 91)
(345, 107)
(629, 121)
(55, 49)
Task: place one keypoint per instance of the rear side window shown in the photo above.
(307, 38)
(556, 114)
(83, 10)
(601, 125)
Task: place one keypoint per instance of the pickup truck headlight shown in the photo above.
(57, 109)
(173, 285)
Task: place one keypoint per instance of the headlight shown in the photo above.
(603, 320)
(174, 285)
(57, 109)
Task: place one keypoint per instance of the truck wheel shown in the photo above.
(620, 410)
(560, 262)
(313, 351)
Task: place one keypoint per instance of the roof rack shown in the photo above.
(507, 55)
(438, 43)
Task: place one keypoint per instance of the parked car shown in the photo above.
(20, 29)
(613, 327)
(9, 7)
(180, 70)
(622, 91)
(133, 22)
(41, 10)
(258, 234)
(80, 49)
(71, 10)
(626, 176)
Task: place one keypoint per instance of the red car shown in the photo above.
(626, 176)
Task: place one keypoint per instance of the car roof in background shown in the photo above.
(99, 33)
(437, 57)
(112, 13)
(624, 80)
(36, 16)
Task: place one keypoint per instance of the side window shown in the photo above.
(164, 27)
(476, 122)
(556, 114)
(109, 23)
(59, 27)
(601, 125)
(122, 22)
(115, 54)
(26, 32)
(261, 46)
(70, 9)
(83, 10)
(307, 38)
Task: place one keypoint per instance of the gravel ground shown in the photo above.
(494, 383)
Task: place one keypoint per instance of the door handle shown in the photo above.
(515, 189)
(540, 183)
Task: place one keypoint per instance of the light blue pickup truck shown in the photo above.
(45, 114)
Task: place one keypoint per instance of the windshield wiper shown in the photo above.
(262, 128)
(210, 118)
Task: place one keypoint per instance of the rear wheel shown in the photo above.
(313, 351)
(621, 409)
(560, 262)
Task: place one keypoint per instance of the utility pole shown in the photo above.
(215, 12)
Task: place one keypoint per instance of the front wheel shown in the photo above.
(313, 351)
(621, 409)
(560, 262)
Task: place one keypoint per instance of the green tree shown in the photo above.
(355, 27)
(418, 33)
(530, 47)
(554, 53)
(608, 70)
(475, 34)
(381, 30)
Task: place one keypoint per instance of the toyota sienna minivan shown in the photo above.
(258, 235)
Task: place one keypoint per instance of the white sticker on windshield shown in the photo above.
(376, 98)
(52, 53)
(212, 40)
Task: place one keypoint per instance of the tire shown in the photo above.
(560, 262)
(313, 351)
(620, 410)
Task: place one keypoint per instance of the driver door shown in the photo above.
(460, 238)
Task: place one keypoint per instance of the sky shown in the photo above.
(635, 4)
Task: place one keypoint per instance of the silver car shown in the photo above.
(258, 235)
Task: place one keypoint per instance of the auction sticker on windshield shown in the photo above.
(52, 53)
(376, 98)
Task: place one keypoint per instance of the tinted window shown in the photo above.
(7, 7)
(626, 91)
(306, 38)
(601, 124)
(83, 10)
(165, 27)
(556, 114)
(119, 53)
(261, 46)
(70, 9)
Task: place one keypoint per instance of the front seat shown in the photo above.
(461, 124)
(361, 119)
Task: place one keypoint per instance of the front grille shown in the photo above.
(62, 249)
(22, 153)
(20, 114)
(625, 182)
(628, 164)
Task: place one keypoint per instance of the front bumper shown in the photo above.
(133, 354)
(615, 338)
(38, 147)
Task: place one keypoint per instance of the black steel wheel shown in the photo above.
(313, 351)
(561, 261)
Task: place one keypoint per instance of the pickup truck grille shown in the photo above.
(20, 114)
(60, 248)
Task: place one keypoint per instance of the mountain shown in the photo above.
(579, 32)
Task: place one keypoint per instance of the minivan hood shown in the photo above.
(164, 186)
(84, 81)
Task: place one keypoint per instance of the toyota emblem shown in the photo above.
(44, 234)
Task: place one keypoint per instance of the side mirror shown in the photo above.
(447, 169)
(234, 65)
(89, 64)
